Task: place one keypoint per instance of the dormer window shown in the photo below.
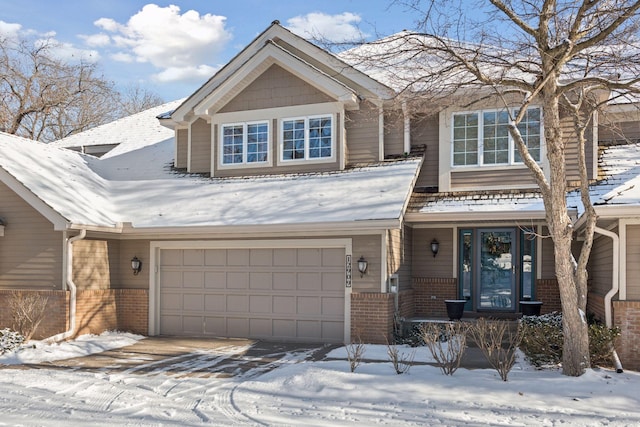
(245, 143)
(307, 138)
(481, 138)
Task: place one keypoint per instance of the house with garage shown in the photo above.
(291, 197)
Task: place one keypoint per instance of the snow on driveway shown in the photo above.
(300, 392)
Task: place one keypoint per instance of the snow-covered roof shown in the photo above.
(138, 186)
(621, 186)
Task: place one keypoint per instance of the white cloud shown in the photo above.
(96, 40)
(333, 28)
(185, 74)
(67, 51)
(9, 30)
(182, 46)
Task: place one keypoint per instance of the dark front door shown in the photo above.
(496, 275)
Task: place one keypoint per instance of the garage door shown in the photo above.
(286, 294)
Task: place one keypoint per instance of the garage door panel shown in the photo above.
(215, 280)
(192, 302)
(215, 257)
(193, 279)
(238, 327)
(215, 303)
(237, 303)
(285, 281)
(237, 280)
(260, 280)
(238, 257)
(193, 257)
(289, 294)
(309, 281)
(309, 306)
(284, 305)
(333, 307)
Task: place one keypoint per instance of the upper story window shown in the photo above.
(307, 138)
(481, 138)
(244, 143)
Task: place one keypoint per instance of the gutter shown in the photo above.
(615, 286)
(72, 288)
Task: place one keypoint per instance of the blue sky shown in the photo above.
(172, 47)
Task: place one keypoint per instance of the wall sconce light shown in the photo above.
(136, 265)
(435, 246)
(362, 266)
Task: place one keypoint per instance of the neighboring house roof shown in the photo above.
(137, 185)
(620, 165)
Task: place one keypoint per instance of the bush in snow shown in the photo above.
(498, 342)
(446, 342)
(542, 340)
(355, 351)
(9, 340)
(27, 309)
(401, 361)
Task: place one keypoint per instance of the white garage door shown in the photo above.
(286, 294)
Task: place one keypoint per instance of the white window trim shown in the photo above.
(244, 164)
(512, 146)
(307, 160)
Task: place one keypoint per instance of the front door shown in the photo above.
(496, 276)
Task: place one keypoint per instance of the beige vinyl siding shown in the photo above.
(129, 249)
(200, 147)
(393, 133)
(600, 265)
(276, 87)
(492, 178)
(571, 153)
(620, 131)
(362, 134)
(95, 263)
(30, 250)
(424, 132)
(182, 146)
(369, 247)
(548, 257)
(399, 245)
(633, 262)
(424, 263)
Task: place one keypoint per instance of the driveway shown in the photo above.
(191, 357)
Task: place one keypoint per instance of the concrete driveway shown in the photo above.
(192, 357)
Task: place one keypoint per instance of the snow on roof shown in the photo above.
(78, 187)
(140, 128)
(621, 185)
(487, 201)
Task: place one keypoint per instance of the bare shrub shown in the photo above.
(498, 343)
(27, 310)
(446, 342)
(355, 351)
(401, 361)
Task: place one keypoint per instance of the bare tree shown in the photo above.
(46, 98)
(569, 57)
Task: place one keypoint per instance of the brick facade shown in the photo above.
(372, 317)
(96, 311)
(548, 292)
(425, 289)
(626, 315)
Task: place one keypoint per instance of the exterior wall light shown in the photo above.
(435, 246)
(362, 266)
(136, 265)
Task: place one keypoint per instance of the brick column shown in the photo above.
(372, 317)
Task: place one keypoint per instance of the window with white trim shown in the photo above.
(307, 138)
(482, 138)
(245, 143)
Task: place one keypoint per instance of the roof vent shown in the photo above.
(276, 22)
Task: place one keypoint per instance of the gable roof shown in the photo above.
(310, 59)
(136, 185)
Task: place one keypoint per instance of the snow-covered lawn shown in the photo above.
(305, 393)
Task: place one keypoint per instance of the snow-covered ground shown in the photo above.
(305, 393)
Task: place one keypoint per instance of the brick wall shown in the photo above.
(626, 315)
(56, 318)
(426, 288)
(406, 303)
(547, 291)
(96, 311)
(372, 317)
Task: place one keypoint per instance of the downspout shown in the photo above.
(615, 285)
(406, 128)
(72, 290)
